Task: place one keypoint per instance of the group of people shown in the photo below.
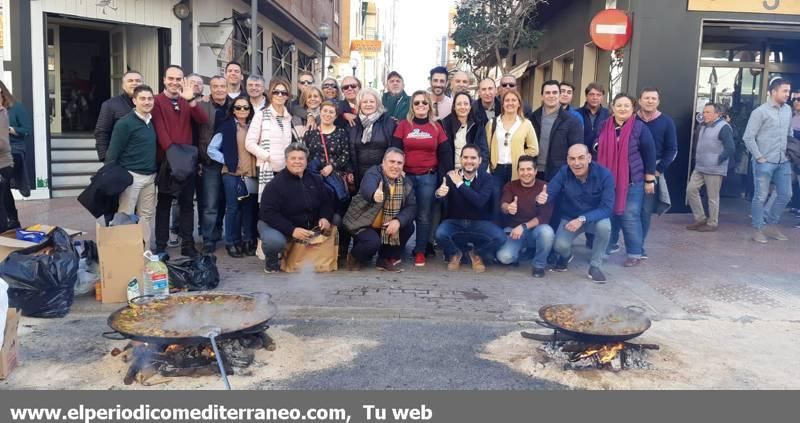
(485, 180)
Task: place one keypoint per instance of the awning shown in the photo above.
(520, 69)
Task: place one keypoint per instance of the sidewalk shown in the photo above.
(707, 293)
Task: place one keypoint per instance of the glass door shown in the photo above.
(54, 78)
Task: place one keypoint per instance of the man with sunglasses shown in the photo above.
(173, 114)
(509, 83)
(305, 79)
(442, 104)
(395, 100)
(347, 108)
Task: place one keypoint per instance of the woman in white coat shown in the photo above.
(270, 133)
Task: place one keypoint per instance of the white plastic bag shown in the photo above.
(3, 308)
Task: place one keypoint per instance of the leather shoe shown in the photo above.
(249, 248)
(234, 251)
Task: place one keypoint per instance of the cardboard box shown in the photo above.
(8, 351)
(9, 242)
(121, 250)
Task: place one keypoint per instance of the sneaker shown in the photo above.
(562, 262)
(759, 237)
(477, 262)
(644, 256)
(596, 274)
(797, 225)
(387, 265)
(538, 272)
(455, 261)
(696, 225)
(174, 240)
(612, 248)
(773, 232)
(632, 262)
(707, 228)
(419, 259)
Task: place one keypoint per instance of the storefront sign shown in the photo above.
(366, 46)
(611, 29)
(785, 7)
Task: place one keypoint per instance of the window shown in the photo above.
(567, 69)
(282, 60)
(305, 62)
(241, 39)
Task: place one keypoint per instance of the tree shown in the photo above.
(488, 32)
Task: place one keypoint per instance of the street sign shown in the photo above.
(611, 29)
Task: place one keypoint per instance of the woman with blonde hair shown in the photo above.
(305, 117)
(372, 135)
(427, 155)
(270, 133)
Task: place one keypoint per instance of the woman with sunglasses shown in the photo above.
(238, 178)
(427, 153)
(305, 116)
(626, 147)
(329, 156)
(271, 132)
(510, 136)
(330, 90)
(348, 107)
(461, 129)
(372, 135)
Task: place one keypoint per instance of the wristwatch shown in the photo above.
(582, 219)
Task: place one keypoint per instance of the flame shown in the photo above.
(605, 353)
(174, 348)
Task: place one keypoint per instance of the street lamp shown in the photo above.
(354, 64)
(323, 32)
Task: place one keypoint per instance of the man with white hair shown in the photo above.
(459, 82)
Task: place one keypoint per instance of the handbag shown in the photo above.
(335, 182)
(241, 189)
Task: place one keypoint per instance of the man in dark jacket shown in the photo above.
(113, 110)
(294, 205)
(212, 203)
(487, 106)
(381, 215)
(395, 99)
(593, 112)
(556, 129)
(468, 194)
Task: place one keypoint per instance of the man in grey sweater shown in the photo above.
(766, 135)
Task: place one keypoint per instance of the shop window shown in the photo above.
(282, 59)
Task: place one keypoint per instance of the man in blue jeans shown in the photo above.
(766, 136)
(526, 221)
(467, 196)
(585, 195)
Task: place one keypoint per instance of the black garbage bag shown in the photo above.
(195, 274)
(41, 283)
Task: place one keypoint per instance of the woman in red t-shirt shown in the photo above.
(425, 144)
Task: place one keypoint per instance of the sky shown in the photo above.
(419, 24)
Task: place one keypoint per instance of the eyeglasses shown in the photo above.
(508, 85)
(175, 105)
(328, 85)
(305, 82)
(508, 136)
(281, 93)
(240, 108)
(349, 87)
(421, 103)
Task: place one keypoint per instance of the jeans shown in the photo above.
(539, 238)
(368, 242)
(272, 241)
(240, 215)
(424, 187)
(6, 199)
(212, 204)
(601, 231)
(500, 177)
(185, 217)
(630, 222)
(781, 176)
(140, 198)
(648, 208)
(455, 234)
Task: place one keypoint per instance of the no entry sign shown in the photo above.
(611, 29)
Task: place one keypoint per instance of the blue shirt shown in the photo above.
(593, 199)
(767, 131)
(663, 130)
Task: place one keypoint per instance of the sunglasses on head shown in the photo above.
(306, 82)
(240, 108)
(508, 85)
(349, 87)
(281, 93)
(328, 85)
(421, 103)
(508, 136)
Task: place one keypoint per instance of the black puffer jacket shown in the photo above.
(111, 111)
(290, 202)
(364, 156)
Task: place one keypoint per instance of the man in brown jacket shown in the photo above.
(212, 202)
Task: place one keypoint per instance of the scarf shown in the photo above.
(313, 112)
(613, 154)
(391, 208)
(645, 119)
(366, 122)
(265, 173)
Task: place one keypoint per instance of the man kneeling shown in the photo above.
(295, 204)
(469, 213)
(526, 220)
(381, 215)
(585, 195)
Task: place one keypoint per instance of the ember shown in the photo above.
(579, 355)
(195, 360)
(603, 353)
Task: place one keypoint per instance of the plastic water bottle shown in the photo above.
(156, 276)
